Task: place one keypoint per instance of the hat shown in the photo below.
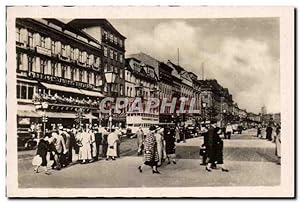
(152, 128)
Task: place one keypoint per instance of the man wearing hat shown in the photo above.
(60, 147)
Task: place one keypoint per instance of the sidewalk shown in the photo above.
(123, 173)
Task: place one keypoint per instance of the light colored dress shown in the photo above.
(160, 143)
(85, 149)
(93, 144)
(112, 141)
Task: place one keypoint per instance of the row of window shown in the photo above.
(47, 67)
(129, 77)
(56, 47)
(114, 55)
(24, 91)
(112, 38)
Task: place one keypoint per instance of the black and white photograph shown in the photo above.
(150, 102)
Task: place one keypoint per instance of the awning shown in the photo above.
(91, 93)
(60, 115)
(89, 116)
(61, 88)
(28, 114)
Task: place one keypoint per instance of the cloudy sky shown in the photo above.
(241, 53)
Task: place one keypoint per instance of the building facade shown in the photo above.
(165, 92)
(140, 82)
(60, 66)
(113, 58)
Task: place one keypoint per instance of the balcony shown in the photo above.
(59, 80)
(63, 57)
(44, 51)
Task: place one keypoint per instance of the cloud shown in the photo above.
(245, 66)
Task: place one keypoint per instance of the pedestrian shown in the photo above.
(263, 132)
(60, 149)
(170, 140)
(85, 147)
(64, 157)
(214, 147)
(269, 131)
(228, 131)
(177, 134)
(98, 140)
(140, 140)
(119, 134)
(104, 133)
(43, 148)
(203, 150)
(112, 141)
(93, 145)
(259, 131)
(160, 145)
(150, 152)
(278, 145)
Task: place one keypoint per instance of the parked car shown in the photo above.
(26, 139)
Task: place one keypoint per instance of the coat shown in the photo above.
(150, 149)
(214, 146)
(85, 148)
(59, 143)
(42, 149)
(112, 141)
(170, 140)
(160, 146)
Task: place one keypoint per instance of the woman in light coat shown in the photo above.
(85, 153)
(112, 141)
(93, 144)
(160, 144)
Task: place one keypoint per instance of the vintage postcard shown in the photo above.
(150, 102)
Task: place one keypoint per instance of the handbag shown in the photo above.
(37, 160)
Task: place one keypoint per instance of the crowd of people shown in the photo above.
(272, 133)
(157, 146)
(89, 143)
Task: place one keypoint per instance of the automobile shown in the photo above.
(26, 139)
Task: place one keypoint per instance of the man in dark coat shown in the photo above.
(98, 140)
(214, 148)
(269, 133)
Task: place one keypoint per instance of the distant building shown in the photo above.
(140, 82)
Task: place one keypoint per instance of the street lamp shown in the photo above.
(43, 106)
(204, 112)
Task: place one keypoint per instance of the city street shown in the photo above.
(251, 162)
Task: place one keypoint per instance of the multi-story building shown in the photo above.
(186, 87)
(140, 82)
(58, 72)
(217, 101)
(196, 95)
(113, 44)
(165, 92)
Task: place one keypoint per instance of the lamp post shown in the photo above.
(204, 112)
(43, 106)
